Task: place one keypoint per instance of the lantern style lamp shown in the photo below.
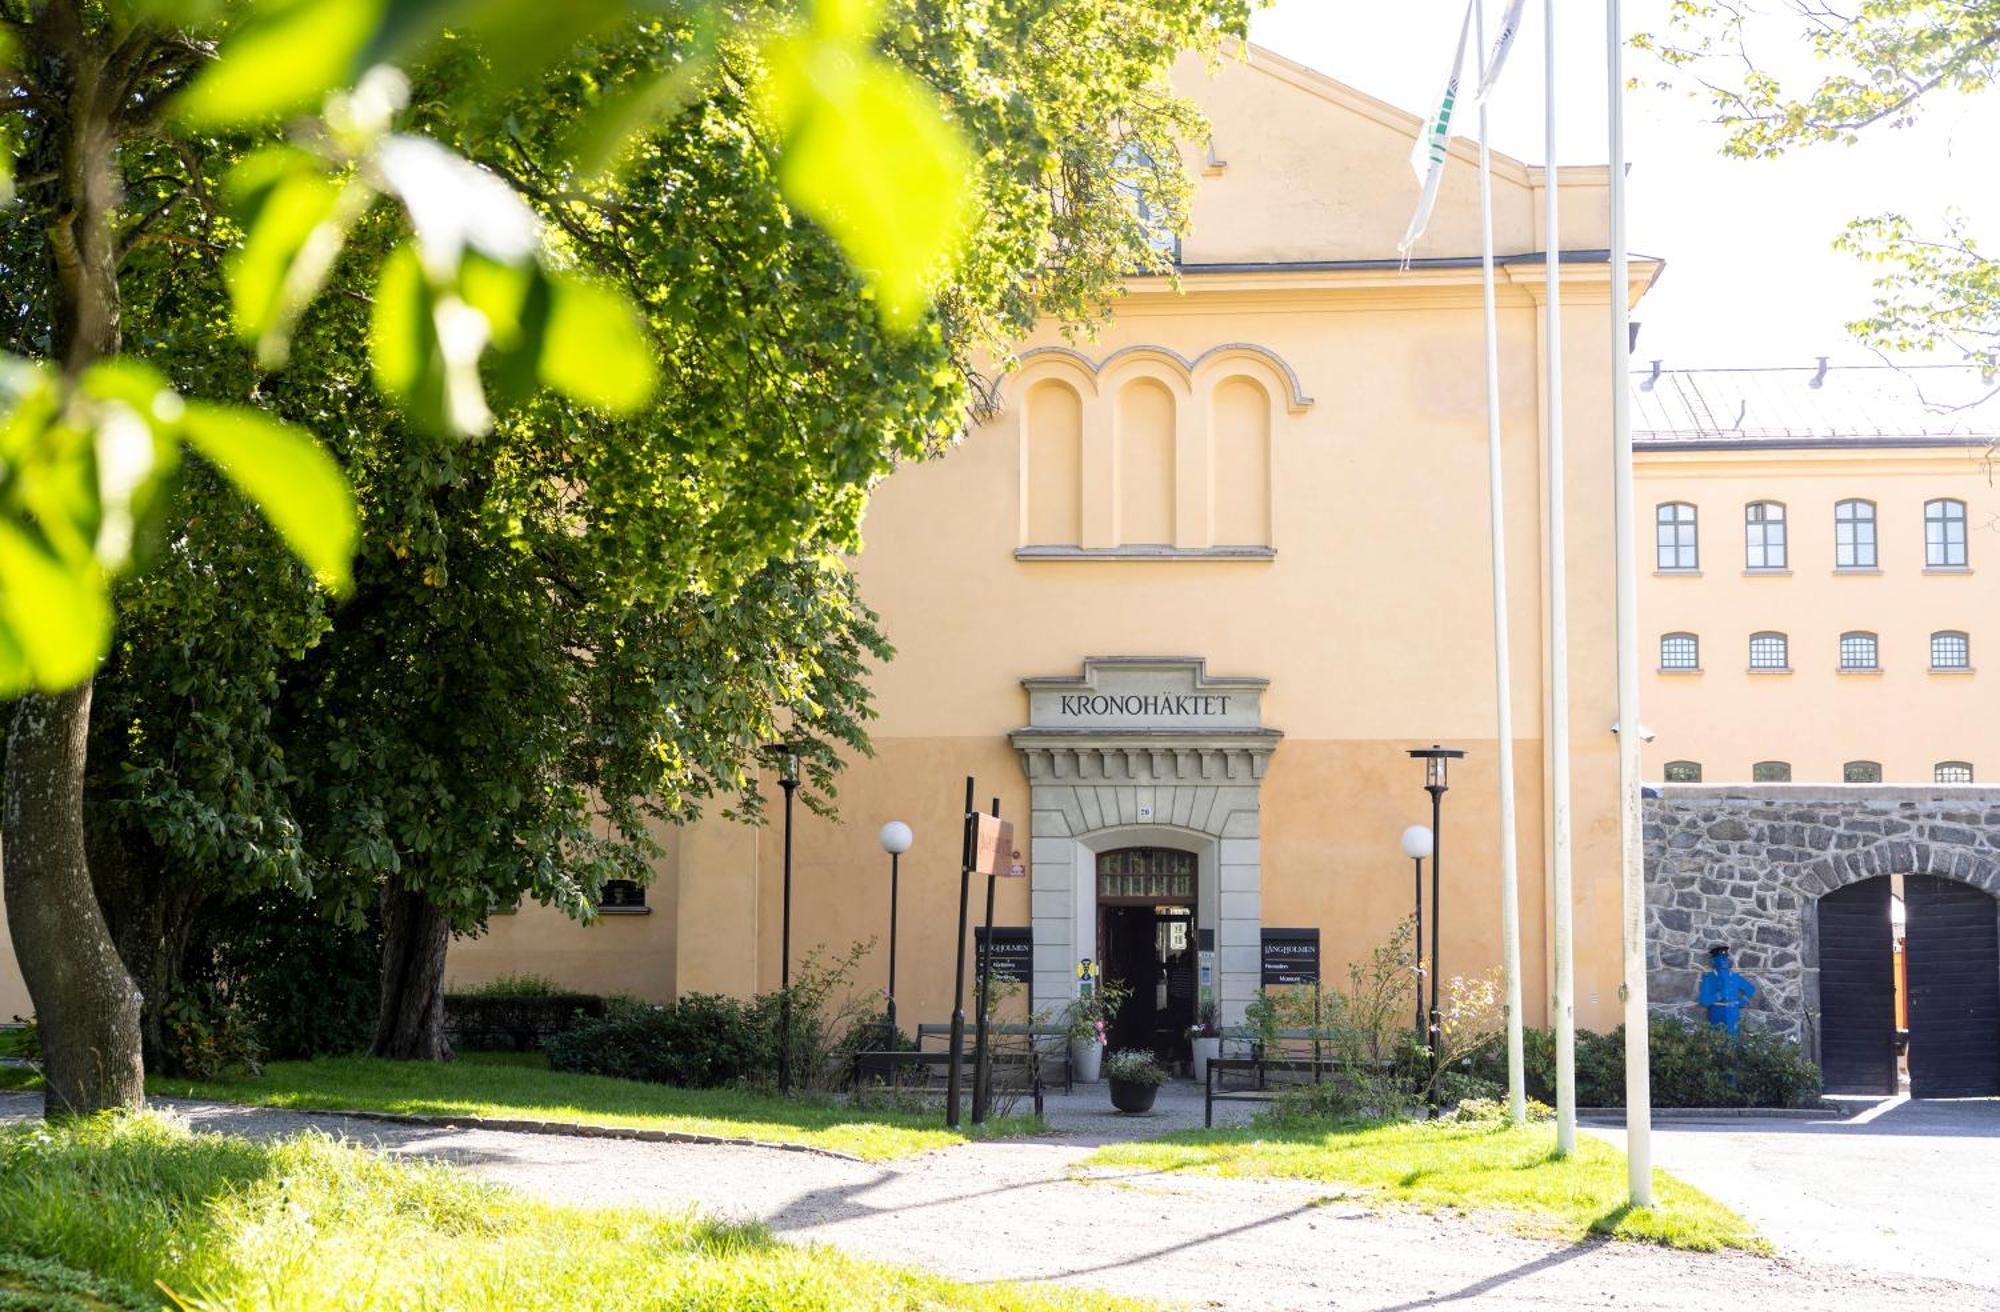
(1437, 771)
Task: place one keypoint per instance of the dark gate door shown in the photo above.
(1951, 950)
(1857, 990)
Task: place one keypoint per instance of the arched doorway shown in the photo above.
(1909, 980)
(1148, 941)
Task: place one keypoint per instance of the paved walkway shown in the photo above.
(1018, 1210)
(1900, 1187)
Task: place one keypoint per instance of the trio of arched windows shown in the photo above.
(1860, 651)
(1677, 537)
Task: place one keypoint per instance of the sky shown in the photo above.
(1751, 278)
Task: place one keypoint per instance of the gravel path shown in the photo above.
(1017, 1211)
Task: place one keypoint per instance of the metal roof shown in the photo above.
(1838, 405)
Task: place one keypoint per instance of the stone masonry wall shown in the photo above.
(1746, 865)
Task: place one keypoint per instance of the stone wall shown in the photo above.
(1746, 865)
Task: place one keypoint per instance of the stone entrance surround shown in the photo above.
(1145, 752)
(1746, 865)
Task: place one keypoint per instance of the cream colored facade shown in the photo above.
(1851, 459)
(1244, 533)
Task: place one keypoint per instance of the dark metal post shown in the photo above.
(952, 1079)
(894, 858)
(982, 1056)
(1419, 1031)
(1436, 1035)
(790, 783)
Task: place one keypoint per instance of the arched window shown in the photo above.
(1674, 535)
(1854, 535)
(1680, 651)
(1683, 772)
(1944, 534)
(1858, 652)
(1953, 772)
(1770, 651)
(1771, 772)
(1861, 772)
(1951, 650)
(1764, 535)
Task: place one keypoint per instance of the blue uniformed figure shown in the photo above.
(1724, 992)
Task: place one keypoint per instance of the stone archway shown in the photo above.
(1747, 865)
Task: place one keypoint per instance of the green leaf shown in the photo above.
(284, 58)
(867, 153)
(595, 348)
(296, 219)
(402, 340)
(289, 477)
(55, 616)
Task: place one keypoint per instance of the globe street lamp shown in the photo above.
(1417, 846)
(1437, 763)
(896, 840)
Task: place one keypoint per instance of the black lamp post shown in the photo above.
(787, 758)
(1417, 845)
(1437, 764)
(896, 840)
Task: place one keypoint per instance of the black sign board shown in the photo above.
(1291, 956)
(1013, 952)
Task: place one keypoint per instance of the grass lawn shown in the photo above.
(137, 1208)
(1484, 1168)
(521, 1086)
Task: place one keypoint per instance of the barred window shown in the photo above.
(1764, 535)
(1858, 651)
(1951, 650)
(621, 895)
(1769, 651)
(1944, 534)
(1861, 772)
(1680, 651)
(1854, 535)
(1771, 772)
(1953, 772)
(1683, 772)
(1675, 536)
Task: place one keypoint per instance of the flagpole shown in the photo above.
(1565, 966)
(1632, 858)
(1503, 679)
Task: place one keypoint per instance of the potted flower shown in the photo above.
(1205, 1039)
(1136, 1077)
(1089, 1021)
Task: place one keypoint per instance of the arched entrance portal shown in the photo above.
(1909, 982)
(1147, 940)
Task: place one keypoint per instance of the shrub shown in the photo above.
(207, 1035)
(490, 1020)
(308, 986)
(1493, 1111)
(514, 986)
(1134, 1066)
(698, 1041)
(1693, 1065)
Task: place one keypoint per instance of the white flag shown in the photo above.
(1434, 143)
(1510, 27)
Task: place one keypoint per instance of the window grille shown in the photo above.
(1769, 651)
(1861, 772)
(1950, 650)
(1953, 772)
(1683, 772)
(1680, 651)
(1858, 651)
(1771, 772)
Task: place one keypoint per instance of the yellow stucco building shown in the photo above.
(1822, 554)
(1189, 593)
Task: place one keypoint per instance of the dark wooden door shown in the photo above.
(1857, 990)
(1951, 951)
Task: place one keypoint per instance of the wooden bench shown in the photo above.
(1049, 1042)
(1299, 1052)
(1011, 1072)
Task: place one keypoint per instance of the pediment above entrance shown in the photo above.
(1145, 718)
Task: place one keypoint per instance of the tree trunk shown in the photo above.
(151, 911)
(85, 1002)
(410, 1024)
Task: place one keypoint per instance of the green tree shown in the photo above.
(1879, 64)
(586, 574)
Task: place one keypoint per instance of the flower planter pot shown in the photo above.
(1086, 1061)
(1133, 1095)
(1205, 1050)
